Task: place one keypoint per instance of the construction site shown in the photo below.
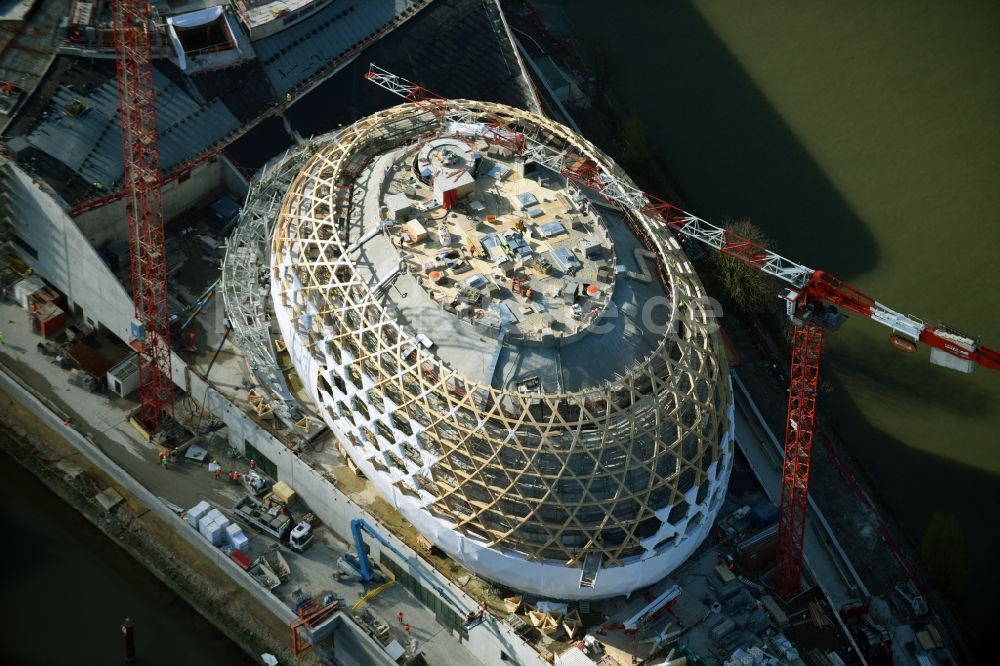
(460, 385)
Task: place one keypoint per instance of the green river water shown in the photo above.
(864, 137)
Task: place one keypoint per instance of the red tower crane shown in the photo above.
(814, 301)
(144, 208)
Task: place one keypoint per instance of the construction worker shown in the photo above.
(253, 464)
(163, 461)
(399, 616)
(234, 475)
(218, 473)
(406, 628)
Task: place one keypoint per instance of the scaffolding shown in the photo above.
(246, 276)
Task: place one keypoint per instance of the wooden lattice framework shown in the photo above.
(616, 470)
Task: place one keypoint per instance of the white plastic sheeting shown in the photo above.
(26, 287)
(190, 20)
(195, 19)
(552, 607)
(211, 529)
(236, 538)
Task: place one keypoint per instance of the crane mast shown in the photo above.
(816, 302)
(144, 208)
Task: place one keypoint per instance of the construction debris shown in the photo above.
(572, 624)
(512, 604)
(109, 498)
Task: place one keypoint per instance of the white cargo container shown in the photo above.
(197, 512)
(212, 531)
(240, 542)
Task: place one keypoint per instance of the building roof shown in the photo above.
(28, 40)
(471, 428)
(300, 52)
(83, 131)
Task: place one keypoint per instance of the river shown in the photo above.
(863, 138)
(67, 588)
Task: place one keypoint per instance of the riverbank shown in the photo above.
(138, 531)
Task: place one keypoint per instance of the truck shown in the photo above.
(301, 536)
(274, 522)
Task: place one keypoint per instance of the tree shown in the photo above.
(943, 550)
(751, 289)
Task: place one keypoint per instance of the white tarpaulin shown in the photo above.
(195, 19)
(190, 20)
(552, 607)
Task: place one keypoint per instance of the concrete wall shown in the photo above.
(233, 182)
(68, 261)
(336, 510)
(66, 258)
(67, 252)
(202, 186)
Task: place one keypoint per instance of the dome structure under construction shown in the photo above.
(525, 370)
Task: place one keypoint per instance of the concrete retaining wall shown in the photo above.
(200, 187)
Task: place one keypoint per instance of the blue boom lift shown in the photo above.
(363, 566)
